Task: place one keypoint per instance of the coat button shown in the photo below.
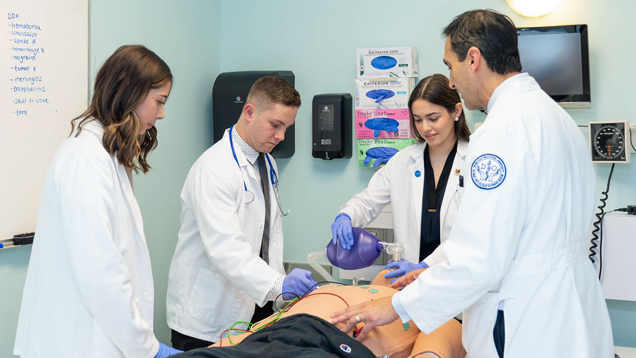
(260, 226)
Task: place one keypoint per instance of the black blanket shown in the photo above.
(300, 335)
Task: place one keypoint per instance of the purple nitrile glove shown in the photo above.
(341, 229)
(402, 268)
(298, 283)
(165, 351)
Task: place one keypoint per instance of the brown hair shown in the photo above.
(435, 89)
(269, 90)
(121, 85)
(494, 34)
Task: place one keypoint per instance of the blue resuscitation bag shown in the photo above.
(383, 62)
(380, 94)
(382, 124)
(380, 154)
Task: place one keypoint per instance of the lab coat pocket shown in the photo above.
(478, 324)
(211, 299)
(460, 195)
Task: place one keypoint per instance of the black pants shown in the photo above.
(260, 313)
(186, 343)
(499, 333)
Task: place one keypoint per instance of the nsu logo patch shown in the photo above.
(488, 171)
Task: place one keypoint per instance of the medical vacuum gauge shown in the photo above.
(608, 142)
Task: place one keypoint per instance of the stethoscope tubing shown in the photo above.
(272, 175)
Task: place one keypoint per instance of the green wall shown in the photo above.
(317, 41)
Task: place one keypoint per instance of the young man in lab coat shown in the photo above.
(517, 262)
(229, 257)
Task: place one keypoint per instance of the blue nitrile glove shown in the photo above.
(383, 62)
(381, 155)
(382, 124)
(402, 268)
(165, 351)
(380, 94)
(298, 283)
(341, 229)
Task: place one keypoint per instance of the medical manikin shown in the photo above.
(393, 340)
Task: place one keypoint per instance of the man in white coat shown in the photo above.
(229, 257)
(516, 258)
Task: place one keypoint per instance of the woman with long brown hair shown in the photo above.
(89, 290)
(423, 182)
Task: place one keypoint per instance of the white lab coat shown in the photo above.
(396, 183)
(89, 289)
(216, 274)
(521, 247)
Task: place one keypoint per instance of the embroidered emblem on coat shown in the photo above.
(488, 171)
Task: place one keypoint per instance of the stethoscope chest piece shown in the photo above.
(249, 197)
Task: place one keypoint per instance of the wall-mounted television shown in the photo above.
(558, 58)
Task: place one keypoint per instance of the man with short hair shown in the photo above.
(517, 262)
(228, 263)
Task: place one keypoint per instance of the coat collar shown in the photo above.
(418, 150)
(125, 181)
(515, 85)
(94, 126)
(243, 163)
(235, 149)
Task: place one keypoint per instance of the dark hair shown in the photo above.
(121, 85)
(268, 90)
(492, 33)
(435, 89)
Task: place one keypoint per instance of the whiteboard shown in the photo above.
(43, 85)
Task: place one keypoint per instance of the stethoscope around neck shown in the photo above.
(272, 175)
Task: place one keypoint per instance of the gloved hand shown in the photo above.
(165, 351)
(381, 155)
(341, 229)
(380, 94)
(382, 124)
(402, 268)
(298, 283)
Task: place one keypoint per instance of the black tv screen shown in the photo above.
(558, 58)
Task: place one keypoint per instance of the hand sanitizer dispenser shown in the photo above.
(332, 126)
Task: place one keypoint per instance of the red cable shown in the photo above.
(326, 293)
(292, 305)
